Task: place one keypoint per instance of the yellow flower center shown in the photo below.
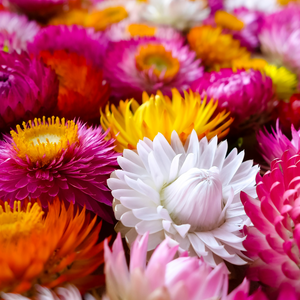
(227, 20)
(43, 141)
(16, 223)
(141, 30)
(101, 19)
(157, 58)
(286, 2)
(253, 63)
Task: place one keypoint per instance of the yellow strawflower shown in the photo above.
(131, 122)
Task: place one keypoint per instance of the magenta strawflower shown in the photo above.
(149, 64)
(243, 93)
(274, 240)
(57, 158)
(16, 31)
(273, 145)
(82, 41)
(28, 89)
(280, 36)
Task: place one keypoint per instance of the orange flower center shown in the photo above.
(286, 2)
(156, 57)
(227, 20)
(43, 141)
(141, 30)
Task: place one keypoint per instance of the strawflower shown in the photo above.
(28, 89)
(131, 122)
(189, 194)
(16, 31)
(180, 14)
(48, 248)
(73, 39)
(149, 64)
(273, 145)
(266, 6)
(243, 93)
(214, 48)
(82, 89)
(53, 158)
(273, 241)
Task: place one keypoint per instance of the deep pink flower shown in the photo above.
(244, 93)
(273, 242)
(82, 41)
(27, 89)
(74, 165)
(149, 64)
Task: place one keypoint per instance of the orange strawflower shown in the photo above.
(48, 249)
(82, 89)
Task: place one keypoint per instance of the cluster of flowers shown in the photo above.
(126, 132)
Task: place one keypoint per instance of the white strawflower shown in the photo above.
(266, 6)
(189, 193)
(180, 14)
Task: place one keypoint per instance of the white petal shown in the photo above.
(128, 219)
(146, 213)
(149, 226)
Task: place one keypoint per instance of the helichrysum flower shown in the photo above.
(214, 48)
(52, 249)
(273, 145)
(180, 14)
(279, 37)
(266, 6)
(16, 31)
(243, 93)
(189, 193)
(53, 158)
(28, 89)
(149, 64)
(73, 39)
(82, 89)
(273, 241)
(131, 122)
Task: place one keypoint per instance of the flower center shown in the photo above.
(100, 19)
(195, 198)
(17, 222)
(285, 2)
(228, 21)
(141, 30)
(156, 57)
(44, 141)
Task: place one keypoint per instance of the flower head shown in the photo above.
(189, 193)
(82, 90)
(149, 64)
(273, 241)
(180, 14)
(131, 122)
(214, 48)
(82, 41)
(27, 89)
(243, 93)
(53, 158)
(57, 247)
(266, 6)
(16, 31)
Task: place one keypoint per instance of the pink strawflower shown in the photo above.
(82, 41)
(273, 145)
(243, 93)
(55, 158)
(273, 243)
(280, 35)
(27, 89)
(150, 64)
(16, 31)
(163, 278)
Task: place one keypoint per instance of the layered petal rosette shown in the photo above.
(16, 31)
(189, 193)
(27, 89)
(180, 14)
(243, 93)
(273, 241)
(75, 39)
(149, 64)
(279, 37)
(53, 158)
